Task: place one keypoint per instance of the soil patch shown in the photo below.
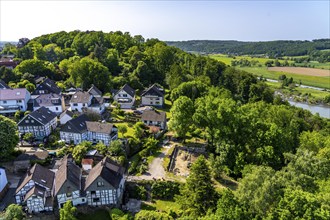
(301, 71)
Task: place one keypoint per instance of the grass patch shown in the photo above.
(154, 155)
(100, 214)
(317, 81)
(161, 206)
(130, 130)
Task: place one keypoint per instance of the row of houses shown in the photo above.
(47, 94)
(42, 189)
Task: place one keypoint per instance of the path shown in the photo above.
(156, 169)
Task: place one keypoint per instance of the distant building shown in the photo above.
(81, 129)
(154, 118)
(40, 123)
(12, 100)
(125, 97)
(3, 85)
(51, 101)
(153, 96)
(3, 182)
(46, 87)
(8, 62)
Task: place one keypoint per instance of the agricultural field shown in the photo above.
(317, 76)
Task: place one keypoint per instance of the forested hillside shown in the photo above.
(278, 154)
(270, 48)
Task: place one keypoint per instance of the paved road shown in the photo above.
(155, 170)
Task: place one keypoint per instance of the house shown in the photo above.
(3, 85)
(40, 123)
(51, 101)
(8, 62)
(46, 87)
(35, 189)
(12, 100)
(82, 101)
(66, 116)
(94, 91)
(125, 97)
(75, 130)
(153, 96)
(68, 183)
(81, 129)
(154, 118)
(105, 184)
(4, 185)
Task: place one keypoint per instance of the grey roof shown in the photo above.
(109, 170)
(39, 174)
(3, 85)
(13, 94)
(97, 101)
(48, 86)
(80, 97)
(98, 127)
(51, 99)
(66, 112)
(76, 125)
(154, 90)
(43, 115)
(68, 171)
(94, 91)
(152, 115)
(128, 90)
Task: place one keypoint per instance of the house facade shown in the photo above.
(86, 101)
(12, 100)
(153, 96)
(35, 189)
(51, 101)
(105, 184)
(47, 86)
(125, 97)
(40, 123)
(154, 118)
(68, 183)
(3, 182)
(81, 129)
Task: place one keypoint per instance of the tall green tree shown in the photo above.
(181, 111)
(8, 136)
(14, 212)
(198, 194)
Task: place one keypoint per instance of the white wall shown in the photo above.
(3, 179)
(152, 100)
(65, 119)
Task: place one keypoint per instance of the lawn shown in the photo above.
(130, 129)
(317, 81)
(100, 214)
(161, 205)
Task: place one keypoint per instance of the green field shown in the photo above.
(317, 81)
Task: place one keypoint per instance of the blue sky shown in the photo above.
(170, 20)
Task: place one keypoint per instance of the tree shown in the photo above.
(116, 148)
(80, 151)
(198, 195)
(28, 137)
(182, 111)
(152, 215)
(68, 211)
(14, 212)
(8, 136)
(139, 129)
(122, 129)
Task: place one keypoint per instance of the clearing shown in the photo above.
(301, 71)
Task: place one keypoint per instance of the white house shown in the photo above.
(35, 189)
(153, 96)
(154, 118)
(12, 100)
(82, 101)
(125, 97)
(51, 101)
(68, 183)
(3, 182)
(105, 183)
(81, 129)
(40, 123)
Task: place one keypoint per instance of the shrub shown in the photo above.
(165, 190)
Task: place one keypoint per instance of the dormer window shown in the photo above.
(99, 184)
(18, 93)
(43, 181)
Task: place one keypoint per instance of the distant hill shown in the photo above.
(270, 48)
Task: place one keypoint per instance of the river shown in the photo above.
(323, 110)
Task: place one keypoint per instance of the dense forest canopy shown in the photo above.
(270, 48)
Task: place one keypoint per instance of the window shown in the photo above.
(93, 192)
(157, 98)
(26, 121)
(19, 101)
(124, 95)
(100, 184)
(68, 194)
(151, 103)
(157, 103)
(96, 199)
(4, 102)
(84, 104)
(75, 104)
(56, 108)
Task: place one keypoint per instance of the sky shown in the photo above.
(170, 20)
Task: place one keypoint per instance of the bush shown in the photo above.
(165, 190)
